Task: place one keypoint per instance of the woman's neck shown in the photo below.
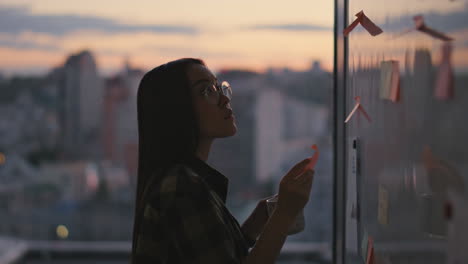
(204, 146)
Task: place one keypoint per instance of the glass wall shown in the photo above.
(403, 168)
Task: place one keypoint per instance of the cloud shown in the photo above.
(291, 27)
(190, 51)
(15, 20)
(446, 22)
(28, 45)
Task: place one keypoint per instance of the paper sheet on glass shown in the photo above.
(382, 213)
(390, 80)
(421, 26)
(362, 19)
(359, 109)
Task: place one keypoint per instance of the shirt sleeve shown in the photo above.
(249, 242)
(190, 228)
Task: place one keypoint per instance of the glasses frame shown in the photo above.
(213, 97)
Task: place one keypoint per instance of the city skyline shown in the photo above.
(70, 140)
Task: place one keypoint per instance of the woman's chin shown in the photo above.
(230, 132)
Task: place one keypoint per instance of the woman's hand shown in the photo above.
(254, 224)
(294, 190)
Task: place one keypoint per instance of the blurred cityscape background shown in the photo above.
(69, 144)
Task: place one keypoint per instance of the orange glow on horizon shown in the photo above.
(240, 50)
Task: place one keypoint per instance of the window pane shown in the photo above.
(69, 77)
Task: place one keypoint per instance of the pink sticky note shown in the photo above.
(421, 26)
(358, 108)
(370, 258)
(363, 111)
(313, 160)
(444, 83)
(370, 26)
(362, 19)
(350, 28)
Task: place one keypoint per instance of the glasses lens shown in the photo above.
(226, 89)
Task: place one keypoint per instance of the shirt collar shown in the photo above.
(215, 179)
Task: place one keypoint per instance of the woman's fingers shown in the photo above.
(306, 180)
(297, 169)
(304, 174)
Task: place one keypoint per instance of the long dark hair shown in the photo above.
(167, 127)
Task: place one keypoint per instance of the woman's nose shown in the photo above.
(223, 100)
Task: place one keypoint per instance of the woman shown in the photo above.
(180, 212)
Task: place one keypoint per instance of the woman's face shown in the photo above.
(214, 116)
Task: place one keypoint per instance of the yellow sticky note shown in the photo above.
(383, 206)
(390, 80)
(385, 79)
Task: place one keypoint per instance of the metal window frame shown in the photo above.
(340, 71)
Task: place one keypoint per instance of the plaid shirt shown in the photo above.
(186, 221)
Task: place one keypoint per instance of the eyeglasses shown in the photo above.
(213, 91)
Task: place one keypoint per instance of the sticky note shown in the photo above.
(390, 80)
(385, 79)
(370, 259)
(359, 109)
(312, 160)
(362, 19)
(382, 214)
(421, 26)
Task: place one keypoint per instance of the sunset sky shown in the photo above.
(36, 35)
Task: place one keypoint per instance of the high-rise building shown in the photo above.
(80, 95)
(119, 124)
